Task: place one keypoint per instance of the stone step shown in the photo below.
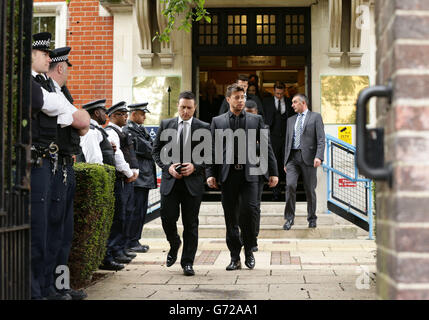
(266, 219)
(151, 230)
(266, 207)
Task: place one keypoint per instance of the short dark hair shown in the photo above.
(189, 95)
(250, 104)
(233, 88)
(279, 85)
(242, 77)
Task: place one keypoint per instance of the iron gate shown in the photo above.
(15, 104)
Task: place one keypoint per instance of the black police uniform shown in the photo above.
(145, 181)
(43, 153)
(124, 197)
(60, 222)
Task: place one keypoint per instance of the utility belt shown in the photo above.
(65, 160)
(43, 153)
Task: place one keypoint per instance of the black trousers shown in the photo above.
(60, 224)
(137, 219)
(294, 167)
(180, 198)
(41, 193)
(124, 207)
(240, 205)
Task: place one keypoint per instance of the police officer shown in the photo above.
(60, 222)
(126, 173)
(96, 148)
(44, 155)
(147, 174)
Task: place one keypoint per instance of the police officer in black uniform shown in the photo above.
(96, 148)
(60, 222)
(127, 171)
(147, 174)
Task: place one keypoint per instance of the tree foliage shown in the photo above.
(193, 10)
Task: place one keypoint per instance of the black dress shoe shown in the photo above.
(312, 224)
(58, 296)
(172, 255)
(288, 224)
(140, 248)
(111, 265)
(129, 253)
(254, 249)
(234, 265)
(75, 294)
(250, 260)
(122, 258)
(188, 270)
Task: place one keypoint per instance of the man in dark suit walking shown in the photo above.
(182, 183)
(304, 152)
(277, 110)
(237, 175)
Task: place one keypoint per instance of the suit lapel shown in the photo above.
(226, 119)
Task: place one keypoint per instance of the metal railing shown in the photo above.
(349, 194)
(15, 106)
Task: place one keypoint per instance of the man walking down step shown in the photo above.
(304, 151)
(182, 183)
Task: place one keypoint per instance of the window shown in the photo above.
(51, 17)
(265, 29)
(295, 29)
(237, 29)
(208, 31)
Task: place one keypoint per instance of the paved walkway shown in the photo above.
(285, 269)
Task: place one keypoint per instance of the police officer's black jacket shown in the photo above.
(43, 127)
(143, 149)
(127, 148)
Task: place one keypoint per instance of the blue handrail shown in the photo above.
(328, 167)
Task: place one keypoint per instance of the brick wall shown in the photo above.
(402, 29)
(91, 40)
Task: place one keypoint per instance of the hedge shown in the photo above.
(93, 215)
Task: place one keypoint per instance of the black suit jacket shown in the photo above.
(221, 171)
(270, 111)
(194, 182)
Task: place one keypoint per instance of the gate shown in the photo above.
(15, 104)
(349, 194)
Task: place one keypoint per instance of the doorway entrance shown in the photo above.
(268, 45)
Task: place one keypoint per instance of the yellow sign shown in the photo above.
(345, 134)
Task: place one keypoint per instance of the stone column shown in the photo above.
(402, 29)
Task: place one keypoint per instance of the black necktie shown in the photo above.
(279, 107)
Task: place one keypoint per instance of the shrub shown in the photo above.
(93, 215)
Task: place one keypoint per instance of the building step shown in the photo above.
(266, 232)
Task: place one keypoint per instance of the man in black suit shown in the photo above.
(238, 174)
(243, 82)
(304, 152)
(277, 110)
(182, 182)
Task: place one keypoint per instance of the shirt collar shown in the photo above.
(57, 86)
(231, 114)
(115, 126)
(95, 123)
(187, 121)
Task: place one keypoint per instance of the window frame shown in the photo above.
(59, 10)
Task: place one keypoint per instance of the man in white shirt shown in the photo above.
(126, 173)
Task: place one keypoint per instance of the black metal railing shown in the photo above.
(15, 140)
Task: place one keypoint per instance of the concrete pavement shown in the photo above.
(286, 269)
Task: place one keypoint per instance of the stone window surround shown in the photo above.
(60, 11)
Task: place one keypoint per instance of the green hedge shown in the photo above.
(93, 214)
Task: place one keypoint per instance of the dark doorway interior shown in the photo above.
(273, 44)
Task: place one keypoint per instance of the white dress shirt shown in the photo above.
(282, 105)
(55, 104)
(90, 144)
(120, 163)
